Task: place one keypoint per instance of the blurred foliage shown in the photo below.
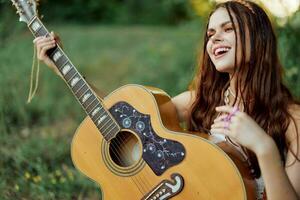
(116, 11)
(289, 51)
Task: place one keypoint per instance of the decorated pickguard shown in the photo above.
(159, 153)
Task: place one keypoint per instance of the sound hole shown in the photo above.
(125, 149)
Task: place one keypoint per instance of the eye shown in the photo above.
(229, 29)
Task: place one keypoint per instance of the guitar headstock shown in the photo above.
(26, 9)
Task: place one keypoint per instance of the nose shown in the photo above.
(217, 37)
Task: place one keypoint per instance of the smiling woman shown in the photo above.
(241, 72)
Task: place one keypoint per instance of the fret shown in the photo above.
(79, 88)
(56, 55)
(108, 131)
(87, 99)
(70, 74)
(74, 81)
(81, 91)
(96, 113)
(92, 105)
(106, 127)
(66, 69)
(100, 117)
(61, 61)
(41, 32)
(90, 102)
(111, 133)
(35, 25)
(64, 63)
(72, 77)
(78, 85)
(104, 118)
(86, 90)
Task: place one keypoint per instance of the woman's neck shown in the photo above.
(233, 93)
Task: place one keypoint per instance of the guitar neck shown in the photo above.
(90, 102)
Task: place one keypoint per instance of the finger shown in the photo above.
(221, 124)
(221, 118)
(225, 109)
(43, 43)
(43, 51)
(37, 39)
(44, 39)
(220, 131)
(40, 46)
(56, 38)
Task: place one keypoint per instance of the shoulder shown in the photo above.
(294, 126)
(292, 134)
(292, 165)
(183, 103)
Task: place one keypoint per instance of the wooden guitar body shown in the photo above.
(205, 171)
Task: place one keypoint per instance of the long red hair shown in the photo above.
(259, 83)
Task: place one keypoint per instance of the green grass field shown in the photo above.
(35, 138)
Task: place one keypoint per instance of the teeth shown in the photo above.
(218, 50)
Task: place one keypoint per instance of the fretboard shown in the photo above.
(87, 98)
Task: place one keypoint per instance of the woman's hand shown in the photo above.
(241, 128)
(43, 44)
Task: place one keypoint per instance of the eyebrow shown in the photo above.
(222, 25)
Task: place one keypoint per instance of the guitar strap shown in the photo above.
(35, 62)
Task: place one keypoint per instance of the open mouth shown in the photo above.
(219, 52)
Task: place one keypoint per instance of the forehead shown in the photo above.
(218, 17)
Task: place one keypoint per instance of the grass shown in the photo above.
(35, 138)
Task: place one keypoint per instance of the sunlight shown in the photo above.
(282, 8)
(279, 8)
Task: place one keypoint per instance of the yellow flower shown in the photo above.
(27, 175)
(70, 175)
(37, 179)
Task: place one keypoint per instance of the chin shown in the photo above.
(224, 68)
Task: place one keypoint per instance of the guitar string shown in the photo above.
(143, 174)
(131, 178)
(143, 178)
(139, 178)
(115, 150)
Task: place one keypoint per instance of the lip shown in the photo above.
(219, 46)
(220, 56)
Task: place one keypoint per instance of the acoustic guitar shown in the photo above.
(131, 143)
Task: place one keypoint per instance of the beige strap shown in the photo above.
(31, 91)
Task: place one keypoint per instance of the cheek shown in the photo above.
(208, 47)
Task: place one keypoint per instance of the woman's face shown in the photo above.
(221, 42)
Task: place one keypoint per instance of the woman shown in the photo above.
(238, 93)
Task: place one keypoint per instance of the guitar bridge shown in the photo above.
(166, 189)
